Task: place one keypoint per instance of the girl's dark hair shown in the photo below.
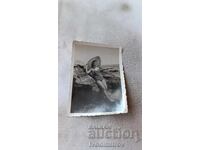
(93, 63)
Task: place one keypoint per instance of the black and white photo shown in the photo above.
(97, 80)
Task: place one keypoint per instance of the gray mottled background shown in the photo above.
(116, 22)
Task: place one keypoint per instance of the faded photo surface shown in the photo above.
(97, 86)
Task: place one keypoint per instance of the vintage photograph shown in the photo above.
(97, 80)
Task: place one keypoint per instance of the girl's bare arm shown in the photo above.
(88, 71)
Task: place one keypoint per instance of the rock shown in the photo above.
(110, 73)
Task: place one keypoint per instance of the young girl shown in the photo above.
(94, 71)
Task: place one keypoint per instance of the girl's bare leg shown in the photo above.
(105, 84)
(101, 84)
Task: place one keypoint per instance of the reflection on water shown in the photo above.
(85, 100)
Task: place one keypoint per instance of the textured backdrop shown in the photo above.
(116, 22)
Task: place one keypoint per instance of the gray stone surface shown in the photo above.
(116, 22)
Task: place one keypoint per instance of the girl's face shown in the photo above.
(95, 64)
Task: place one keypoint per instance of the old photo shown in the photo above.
(97, 80)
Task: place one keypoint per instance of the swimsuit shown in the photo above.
(96, 75)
